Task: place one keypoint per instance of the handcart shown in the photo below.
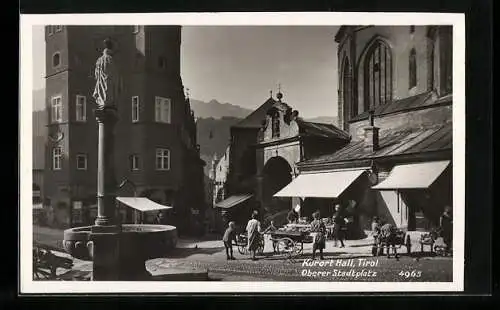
(290, 243)
(242, 244)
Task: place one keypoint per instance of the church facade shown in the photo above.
(264, 151)
(395, 102)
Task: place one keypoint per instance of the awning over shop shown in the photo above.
(232, 201)
(142, 204)
(413, 176)
(329, 184)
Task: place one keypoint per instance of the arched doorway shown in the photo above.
(277, 173)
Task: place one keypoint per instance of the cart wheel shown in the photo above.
(285, 245)
(242, 249)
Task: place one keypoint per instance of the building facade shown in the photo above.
(155, 137)
(218, 186)
(395, 101)
(218, 175)
(39, 141)
(264, 151)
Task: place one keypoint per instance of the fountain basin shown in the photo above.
(137, 244)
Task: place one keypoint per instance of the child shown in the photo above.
(318, 228)
(229, 236)
(376, 234)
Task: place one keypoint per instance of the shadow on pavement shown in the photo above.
(186, 252)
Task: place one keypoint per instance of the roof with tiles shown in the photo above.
(254, 120)
(404, 142)
(422, 100)
(321, 130)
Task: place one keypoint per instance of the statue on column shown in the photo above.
(107, 79)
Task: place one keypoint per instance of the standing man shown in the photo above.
(338, 226)
(446, 225)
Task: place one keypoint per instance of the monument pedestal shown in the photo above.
(118, 252)
(104, 248)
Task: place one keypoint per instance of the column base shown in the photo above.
(104, 248)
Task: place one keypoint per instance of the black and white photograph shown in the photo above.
(245, 152)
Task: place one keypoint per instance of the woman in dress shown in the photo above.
(253, 231)
(318, 228)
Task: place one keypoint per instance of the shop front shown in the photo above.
(416, 193)
(237, 208)
(330, 192)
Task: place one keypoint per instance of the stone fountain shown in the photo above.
(118, 251)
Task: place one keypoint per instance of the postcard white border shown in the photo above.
(27, 285)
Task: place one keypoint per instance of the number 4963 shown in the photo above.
(410, 274)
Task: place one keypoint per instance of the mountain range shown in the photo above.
(216, 110)
(213, 122)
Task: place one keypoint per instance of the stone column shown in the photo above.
(106, 182)
(105, 237)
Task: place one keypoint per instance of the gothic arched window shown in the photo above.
(446, 59)
(377, 75)
(432, 61)
(412, 68)
(347, 89)
(440, 59)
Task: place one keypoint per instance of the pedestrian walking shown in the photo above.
(318, 228)
(254, 234)
(228, 238)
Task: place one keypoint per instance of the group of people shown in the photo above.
(319, 232)
(254, 234)
(337, 230)
(445, 229)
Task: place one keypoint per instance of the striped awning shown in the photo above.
(232, 201)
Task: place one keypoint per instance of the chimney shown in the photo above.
(371, 135)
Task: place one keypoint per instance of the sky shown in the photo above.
(242, 64)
